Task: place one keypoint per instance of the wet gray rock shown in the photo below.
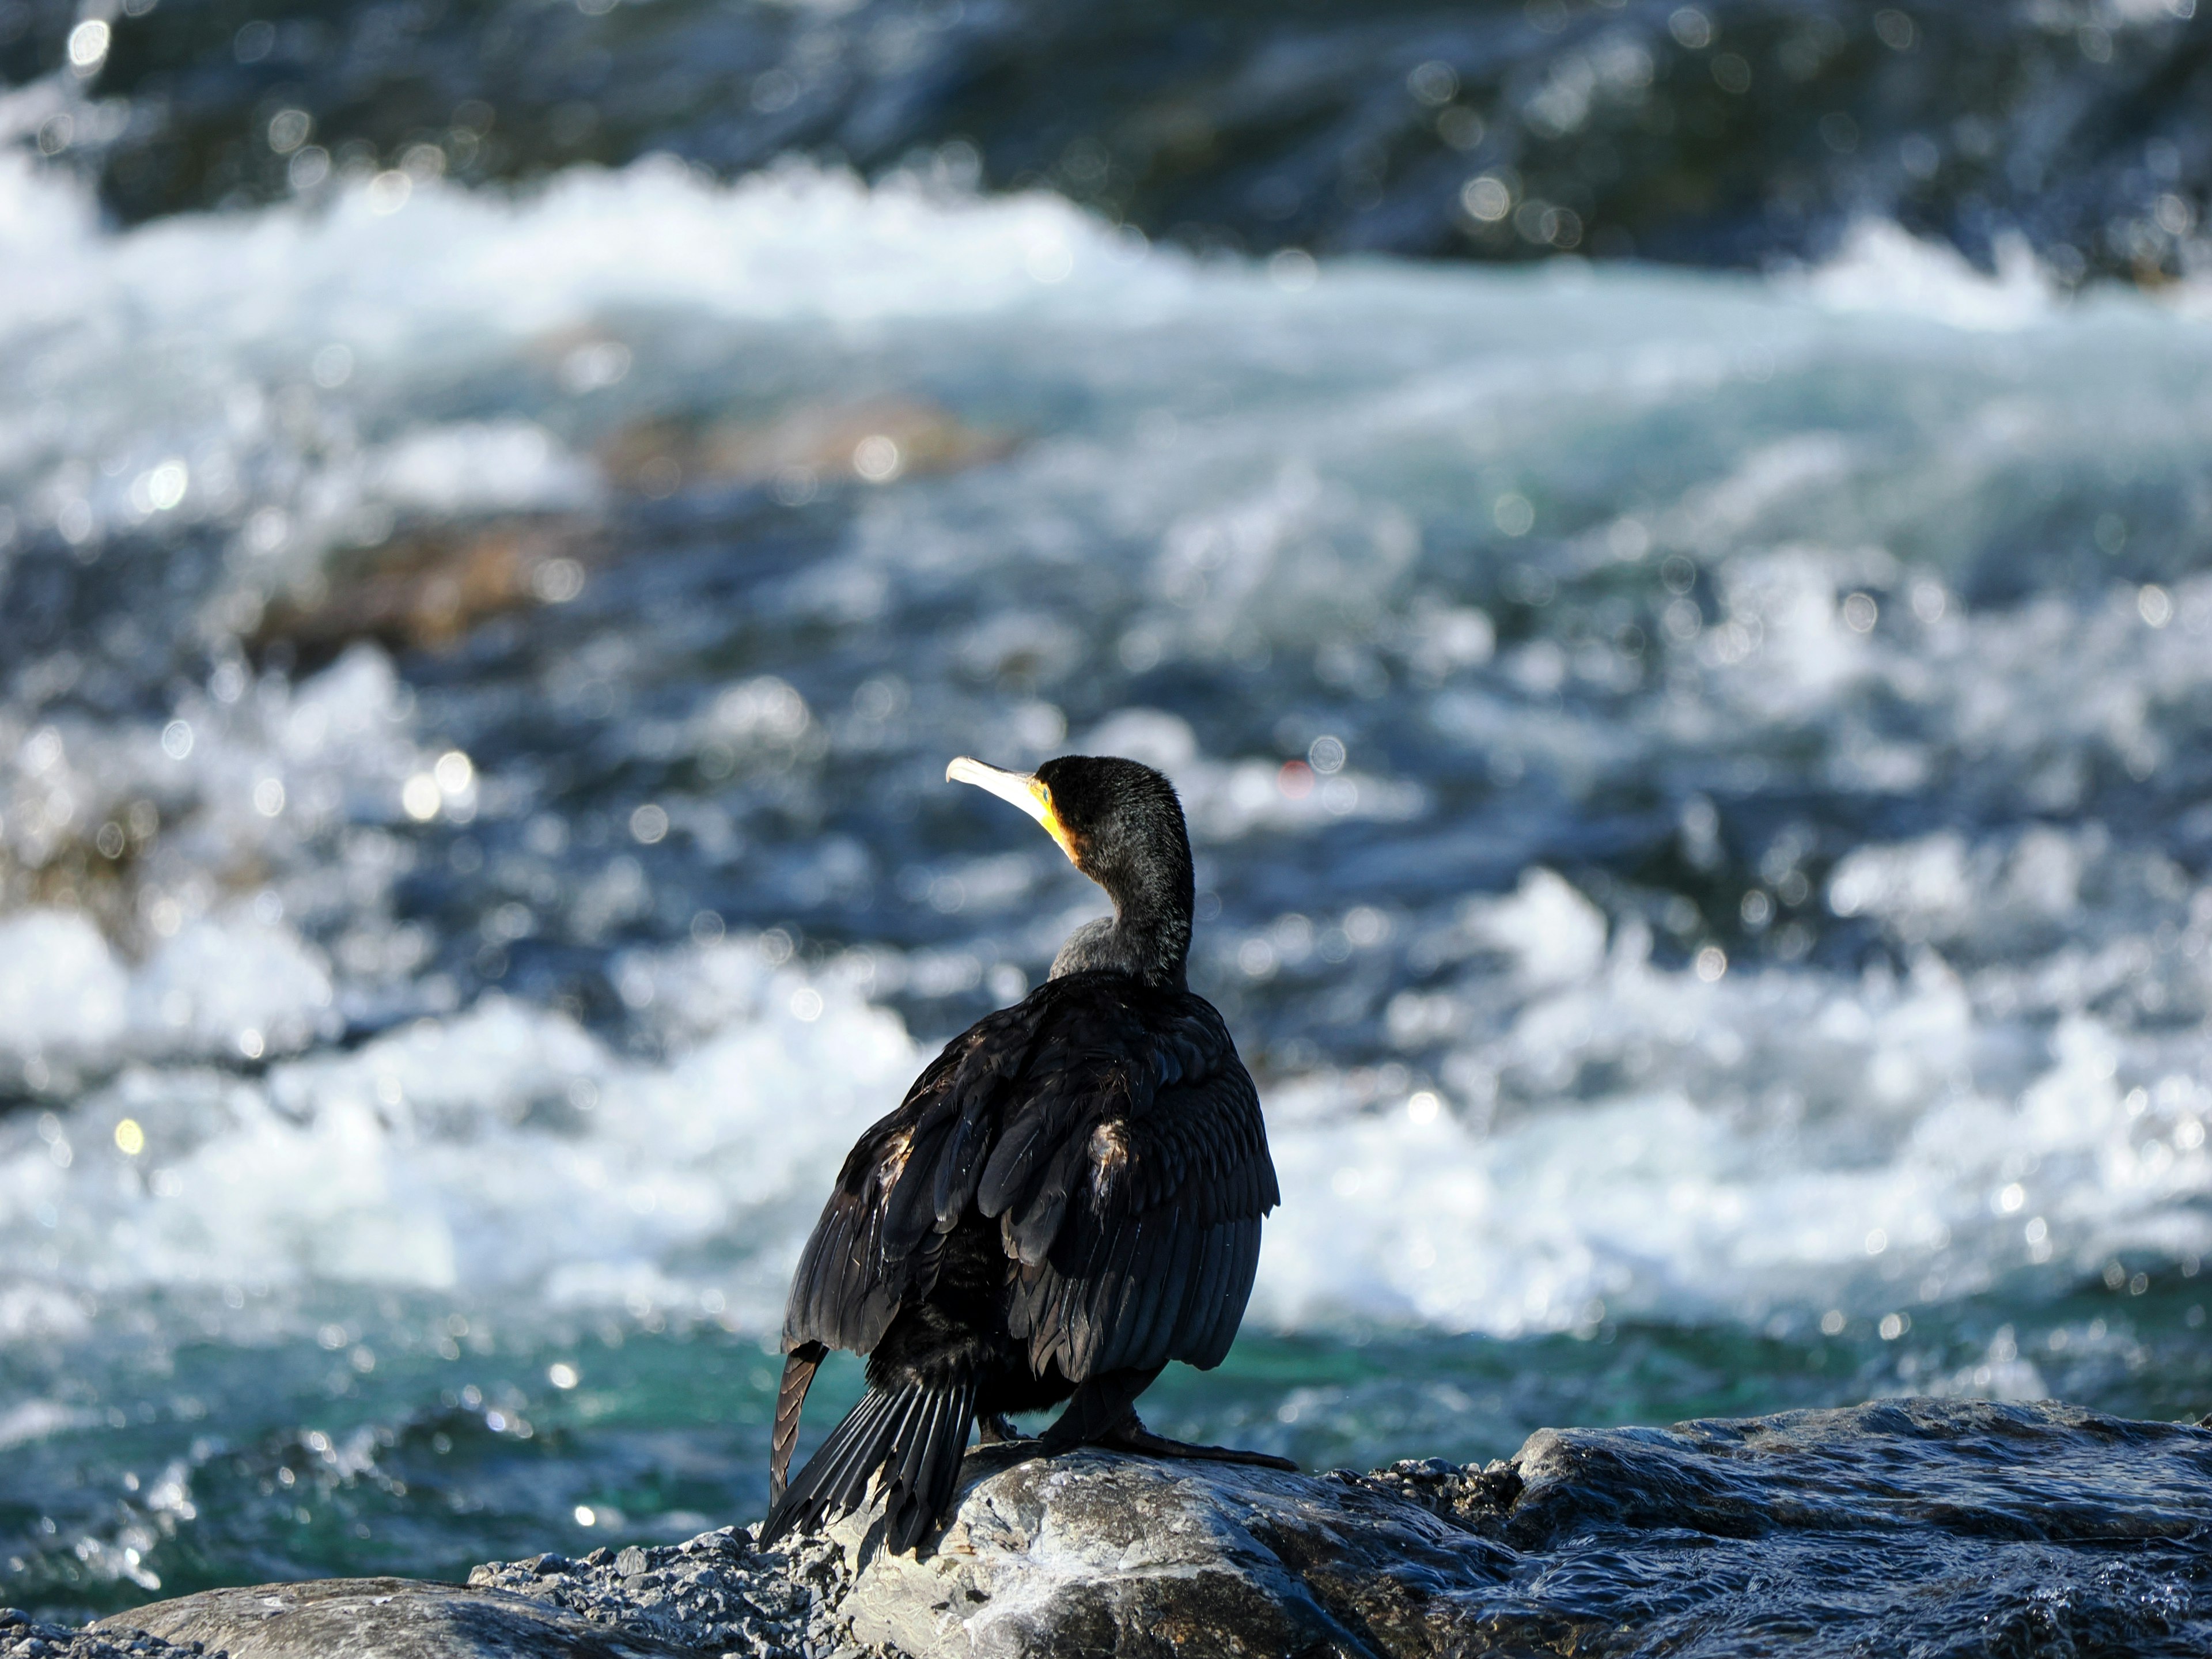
(1914, 1526)
(383, 1619)
(1099, 1553)
(1906, 1525)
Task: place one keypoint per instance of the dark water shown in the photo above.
(1699, 781)
(1731, 132)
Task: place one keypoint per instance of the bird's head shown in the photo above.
(1117, 820)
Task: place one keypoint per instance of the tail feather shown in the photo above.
(847, 1468)
(903, 1493)
(917, 1496)
(909, 1407)
(916, 1436)
(797, 1377)
(820, 1485)
(905, 1464)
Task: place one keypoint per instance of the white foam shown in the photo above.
(315, 330)
(227, 981)
(60, 985)
(1638, 1142)
(35, 1420)
(502, 1149)
(221, 981)
(1630, 1141)
(1882, 268)
(257, 807)
(482, 466)
(1553, 935)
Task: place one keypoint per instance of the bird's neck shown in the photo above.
(1148, 936)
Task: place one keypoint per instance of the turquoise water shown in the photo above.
(242, 1455)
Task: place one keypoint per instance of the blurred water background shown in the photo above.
(1665, 547)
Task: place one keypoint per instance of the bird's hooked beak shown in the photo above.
(1023, 789)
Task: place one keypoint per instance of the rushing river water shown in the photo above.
(1700, 787)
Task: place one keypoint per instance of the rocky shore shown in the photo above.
(1912, 1525)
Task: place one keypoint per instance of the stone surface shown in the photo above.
(1100, 1553)
(1915, 1527)
(384, 1619)
(712, 1593)
(1910, 1526)
(22, 1637)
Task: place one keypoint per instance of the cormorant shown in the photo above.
(1068, 1198)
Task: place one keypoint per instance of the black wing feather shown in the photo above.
(1188, 1162)
(1117, 1138)
(874, 1247)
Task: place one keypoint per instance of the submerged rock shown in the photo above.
(426, 587)
(1902, 1525)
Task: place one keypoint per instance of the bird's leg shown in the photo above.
(1132, 1436)
(996, 1429)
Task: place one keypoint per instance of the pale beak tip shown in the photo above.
(1017, 788)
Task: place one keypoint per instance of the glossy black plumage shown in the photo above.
(1068, 1198)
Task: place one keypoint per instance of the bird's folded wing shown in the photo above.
(877, 1241)
(1130, 1188)
(1120, 1148)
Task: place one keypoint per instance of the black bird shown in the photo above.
(1068, 1198)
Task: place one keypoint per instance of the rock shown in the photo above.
(867, 441)
(1908, 1526)
(1922, 1526)
(428, 586)
(712, 1593)
(1101, 1553)
(384, 1619)
(22, 1637)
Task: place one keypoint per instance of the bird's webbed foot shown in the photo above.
(1132, 1436)
(996, 1429)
